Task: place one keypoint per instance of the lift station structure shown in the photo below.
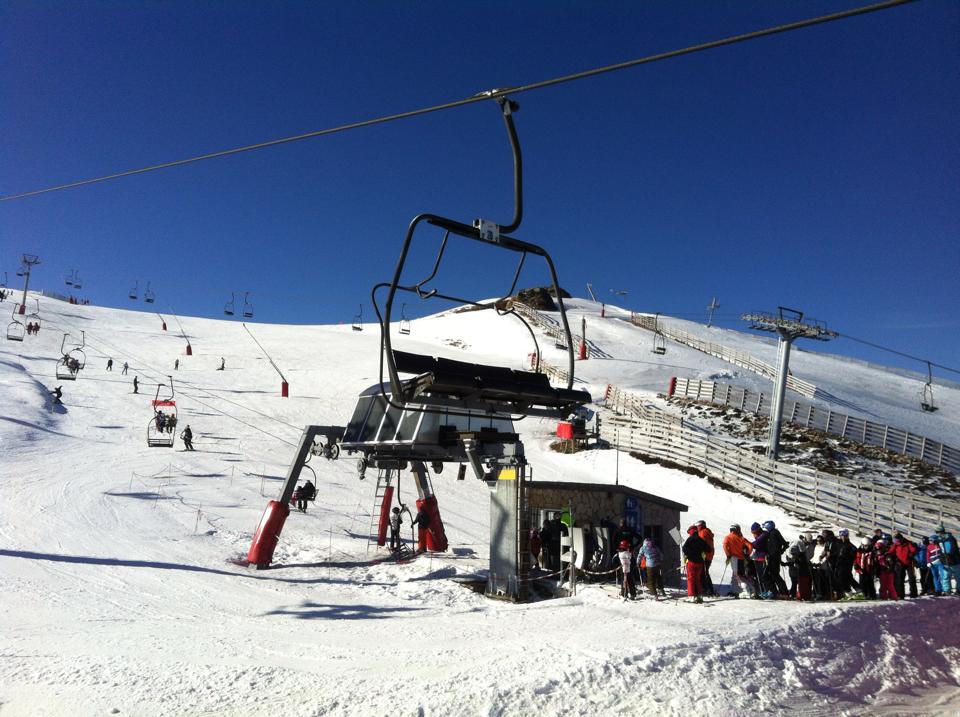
(427, 412)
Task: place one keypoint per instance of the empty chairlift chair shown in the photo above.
(230, 308)
(16, 329)
(72, 360)
(404, 321)
(148, 295)
(247, 306)
(462, 388)
(162, 428)
(358, 320)
(133, 291)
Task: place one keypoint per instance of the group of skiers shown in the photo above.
(826, 567)
(165, 422)
(33, 328)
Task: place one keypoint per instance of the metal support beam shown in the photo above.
(780, 389)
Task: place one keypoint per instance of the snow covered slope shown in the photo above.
(119, 594)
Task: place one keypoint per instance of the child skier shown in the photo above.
(627, 588)
(884, 561)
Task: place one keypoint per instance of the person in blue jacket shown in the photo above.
(950, 559)
(653, 558)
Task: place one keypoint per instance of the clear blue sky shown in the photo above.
(817, 169)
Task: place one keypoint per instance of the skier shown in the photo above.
(846, 555)
(307, 492)
(57, 395)
(136, 383)
(903, 553)
(759, 556)
(737, 550)
(707, 535)
(628, 588)
(822, 575)
(125, 367)
(654, 560)
(865, 565)
(798, 566)
(187, 436)
(396, 520)
(776, 545)
(884, 560)
(422, 521)
(935, 565)
(223, 364)
(950, 558)
(176, 365)
(109, 364)
(694, 549)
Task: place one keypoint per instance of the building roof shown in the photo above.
(607, 488)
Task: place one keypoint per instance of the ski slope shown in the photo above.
(120, 594)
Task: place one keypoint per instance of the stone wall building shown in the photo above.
(597, 504)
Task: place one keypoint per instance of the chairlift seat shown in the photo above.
(479, 383)
(16, 331)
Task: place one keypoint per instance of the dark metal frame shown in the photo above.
(482, 231)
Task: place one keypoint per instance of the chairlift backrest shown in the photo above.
(247, 306)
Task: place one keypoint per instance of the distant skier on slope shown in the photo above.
(57, 395)
(223, 364)
(136, 383)
(109, 364)
(187, 436)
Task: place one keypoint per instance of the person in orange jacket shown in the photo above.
(737, 549)
(706, 535)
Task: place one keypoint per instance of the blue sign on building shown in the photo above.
(631, 512)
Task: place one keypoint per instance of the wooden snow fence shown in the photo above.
(858, 505)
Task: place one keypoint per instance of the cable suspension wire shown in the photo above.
(483, 96)
(899, 353)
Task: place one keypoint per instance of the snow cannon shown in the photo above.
(268, 534)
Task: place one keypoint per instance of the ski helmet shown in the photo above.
(735, 527)
(865, 543)
(881, 542)
(624, 545)
(844, 531)
(769, 525)
(701, 524)
(934, 538)
(755, 526)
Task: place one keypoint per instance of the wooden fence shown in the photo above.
(551, 328)
(855, 504)
(896, 440)
(738, 358)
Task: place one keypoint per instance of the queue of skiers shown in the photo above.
(826, 567)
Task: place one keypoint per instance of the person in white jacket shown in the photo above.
(627, 588)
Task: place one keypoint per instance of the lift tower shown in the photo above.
(28, 261)
(788, 324)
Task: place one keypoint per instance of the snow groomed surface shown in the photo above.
(121, 593)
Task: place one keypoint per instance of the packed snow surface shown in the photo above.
(123, 592)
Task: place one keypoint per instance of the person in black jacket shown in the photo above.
(776, 546)
(694, 551)
(305, 493)
(422, 521)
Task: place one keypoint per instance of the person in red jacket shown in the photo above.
(884, 562)
(864, 564)
(694, 551)
(706, 535)
(904, 552)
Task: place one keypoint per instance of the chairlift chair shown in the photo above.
(404, 321)
(68, 279)
(16, 330)
(148, 295)
(459, 388)
(71, 361)
(162, 435)
(77, 284)
(247, 306)
(926, 394)
(230, 307)
(358, 320)
(659, 340)
(34, 316)
(133, 290)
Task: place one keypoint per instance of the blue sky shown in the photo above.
(817, 169)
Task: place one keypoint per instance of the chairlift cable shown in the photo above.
(899, 353)
(486, 95)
